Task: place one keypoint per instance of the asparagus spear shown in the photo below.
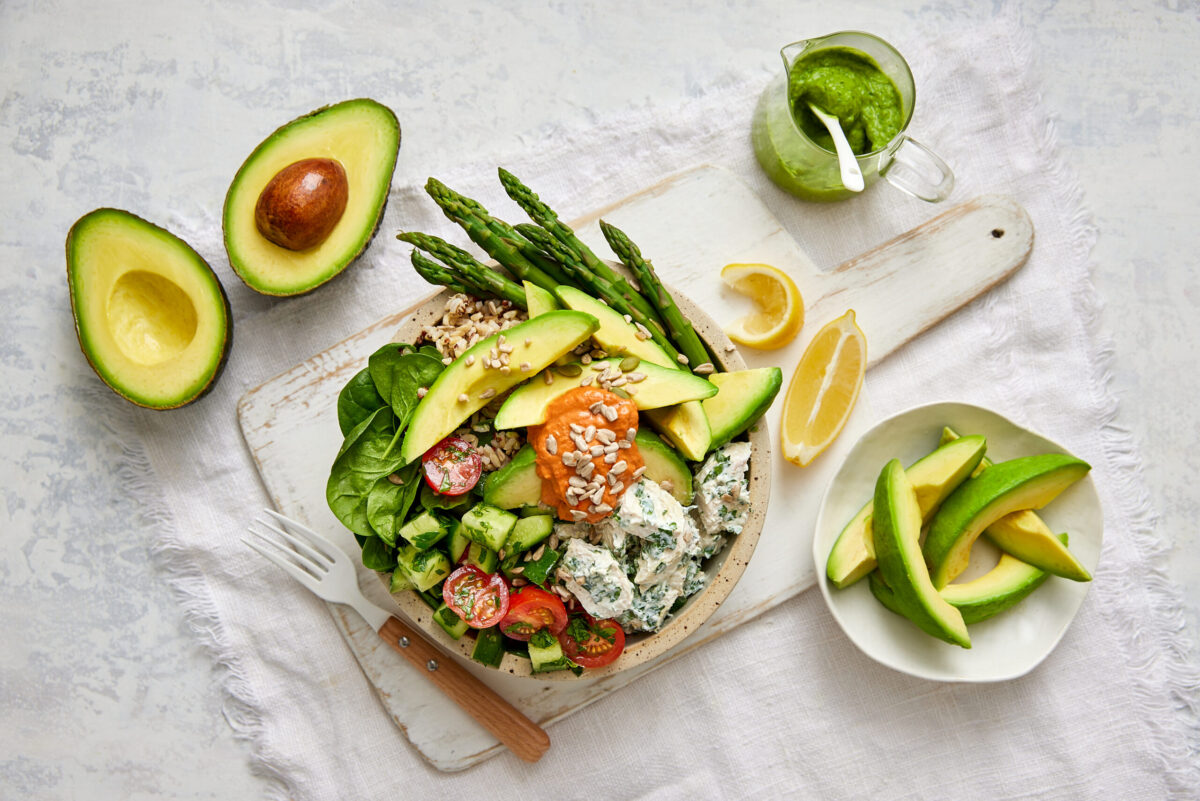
(438, 275)
(467, 270)
(594, 284)
(544, 216)
(495, 236)
(677, 325)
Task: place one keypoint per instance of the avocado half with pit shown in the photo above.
(151, 316)
(288, 231)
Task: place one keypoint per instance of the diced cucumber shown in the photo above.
(487, 525)
(458, 544)
(489, 648)
(482, 557)
(528, 532)
(431, 597)
(423, 568)
(400, 581)
(449, 620)
(425, 529)
(545, 653)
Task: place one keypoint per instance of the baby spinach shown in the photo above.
(357, 400)
(432, 500)
(398, 375)
(377, 555)
(370, 452)
(388, 503)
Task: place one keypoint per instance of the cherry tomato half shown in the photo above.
(480, 599)
(452, 467)
(592, 643)
(530, 610)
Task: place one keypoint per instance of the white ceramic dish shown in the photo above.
(1004, 647)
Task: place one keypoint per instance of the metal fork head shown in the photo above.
(306, 556)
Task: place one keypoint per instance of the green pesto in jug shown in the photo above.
(850, 85)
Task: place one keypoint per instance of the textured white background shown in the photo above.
(103, 693)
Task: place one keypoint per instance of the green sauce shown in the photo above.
(850, 85)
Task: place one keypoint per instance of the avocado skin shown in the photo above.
(91, 359)
(229, 249)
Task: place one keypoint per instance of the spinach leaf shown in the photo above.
(376, 555)
(357, 400)
(370, 452)
(431, 352)
(432, 500)
(388, 503)
(397, 378)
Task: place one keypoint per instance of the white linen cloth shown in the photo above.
(785, 705)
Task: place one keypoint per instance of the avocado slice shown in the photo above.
(538, 300)
(661, 387)
(1026, 536)
(614, 334)
(467, 385)
(933, 477)
(362, 136)
(686, 426)
(745, 395)
(1030, 482)
(151, 316)
(664, 464)
(998, 590)
(896, 523)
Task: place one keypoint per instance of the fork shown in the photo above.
(329, 573)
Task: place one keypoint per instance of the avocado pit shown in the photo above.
(301, 205)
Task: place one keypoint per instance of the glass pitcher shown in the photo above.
(797, 164)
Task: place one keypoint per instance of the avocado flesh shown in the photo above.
(441, 411)
(1027, 537)
(896, 524)
(538, 300)
(745, 395)
(685, 426)
(614, 334)
(664, 464)
(661, 387)
(998, 590)
(1030, 482)
(933, 477)
(361, 135)
(151, 316)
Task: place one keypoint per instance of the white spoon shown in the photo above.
(852, 177)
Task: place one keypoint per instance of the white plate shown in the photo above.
(1003, 647)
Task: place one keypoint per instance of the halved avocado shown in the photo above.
(1027, 537)
(660, 387)
(1030, 482)
(933, 477)
(896, 522)
(469, 384)
(745, 395)
(151, 316)
(363, 136)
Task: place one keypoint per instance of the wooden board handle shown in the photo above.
(522, 736)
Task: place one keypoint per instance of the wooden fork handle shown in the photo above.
(522, 736)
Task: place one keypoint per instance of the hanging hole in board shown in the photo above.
(997, 233)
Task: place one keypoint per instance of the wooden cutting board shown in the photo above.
(690, 226)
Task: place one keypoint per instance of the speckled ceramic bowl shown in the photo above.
(723, 570)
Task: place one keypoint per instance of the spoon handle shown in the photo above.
(852, 177)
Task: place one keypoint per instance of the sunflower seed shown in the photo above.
(609, 458)
(681, 359)
(462, 398)
(703, 369)
(470, 359)
(396, 479)
(548, 377)
(630, 433)
(576, 428)
(602, 509)
(518, 581)
(538, 553)
(589, 433)
(638, 473)
(568, 458)
(576, 481)
(578, 514)
(619, 467)
(610, 414)
(551, 445)
(490, 392)
(617, 488)
(586, 358)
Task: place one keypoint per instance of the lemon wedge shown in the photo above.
(780, 307)
(823, 389)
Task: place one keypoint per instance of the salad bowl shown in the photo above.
(723, 569)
